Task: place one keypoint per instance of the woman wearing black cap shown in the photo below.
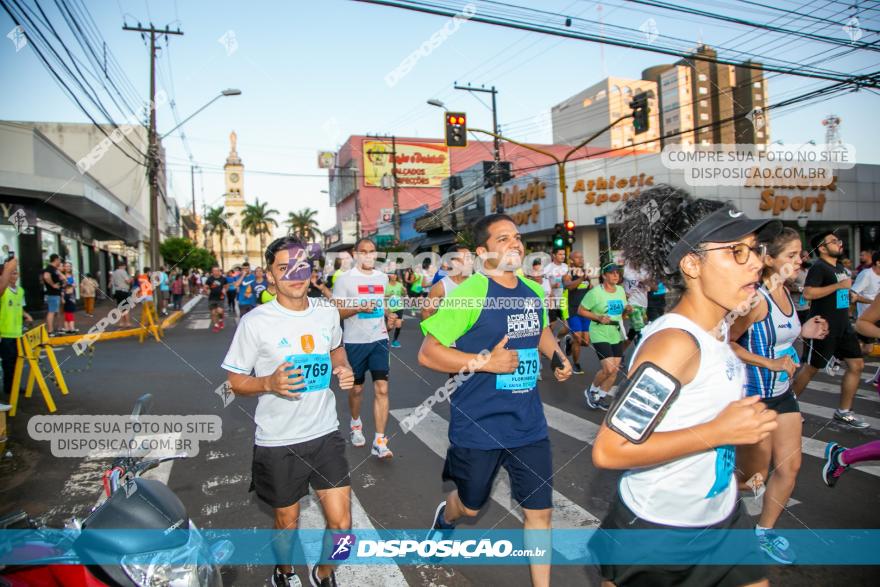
(681, 475)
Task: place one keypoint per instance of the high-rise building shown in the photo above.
(705, 103)
(595, 108)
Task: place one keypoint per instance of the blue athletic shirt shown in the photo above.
(246, 294)
(490, 411)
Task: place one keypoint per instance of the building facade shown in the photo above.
(52, 202)
(597, 107)
(850, 204)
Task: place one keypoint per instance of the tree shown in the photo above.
(257, 221)
(215, 220)
(183, 254)
(303, 224)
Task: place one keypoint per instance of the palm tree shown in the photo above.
(216, 222)
(303, 224)
(257, 221)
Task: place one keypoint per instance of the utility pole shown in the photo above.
(192, 179)
(496, 171)
(153, 148)
(394, 190)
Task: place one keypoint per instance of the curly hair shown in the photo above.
(652, 222)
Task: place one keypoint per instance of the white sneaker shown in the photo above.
(380, 448)
(357, 436)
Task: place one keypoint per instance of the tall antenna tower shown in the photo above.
(833, 140)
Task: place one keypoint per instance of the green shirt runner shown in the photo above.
(599, 301)
(12, 313)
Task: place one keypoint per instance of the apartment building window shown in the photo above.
(704, 116)
(758, 97)
(703, 90)
(702, 77)
(704, 142)
(704, 103)
(758, 85)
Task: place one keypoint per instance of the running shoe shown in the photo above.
(832, 367)
(593, 400)
(357, 436)
(221, 325)
(440, 527)
(568, 344)
(280, 579)
(576, 369)
(215, 328)
(380, 448)
(832, 470)
(850, 419)
(776, 547)
(328, 581)
(395, 344)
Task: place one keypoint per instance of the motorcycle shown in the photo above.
(140, 536)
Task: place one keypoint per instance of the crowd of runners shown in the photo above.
(734, 344)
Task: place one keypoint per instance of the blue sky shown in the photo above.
(313, 73)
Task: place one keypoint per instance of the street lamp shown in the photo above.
(153, 163)
(223, 94)
(437, 103)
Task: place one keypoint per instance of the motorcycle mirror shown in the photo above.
(141, 406)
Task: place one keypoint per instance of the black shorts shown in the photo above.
(214, 304)
(785, 403)
(554, 315)
(605, 547)
(844, 344)
(606, 350)
(530, 468)
(120, 296)
(399, 314)
(281, 475)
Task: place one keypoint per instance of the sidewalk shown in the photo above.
(102, 308)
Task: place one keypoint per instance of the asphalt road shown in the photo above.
(183, 373)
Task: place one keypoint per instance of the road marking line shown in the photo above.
(871, 396)
(198, 324)
(828, 413)
(432, 431)
(312, 517)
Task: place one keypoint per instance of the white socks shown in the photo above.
(356, 422)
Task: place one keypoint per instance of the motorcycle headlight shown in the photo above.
(187, 566)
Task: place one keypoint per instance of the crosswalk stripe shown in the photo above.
(871, 396)
(198, 324)
(432, 431)
(828, 413)
(755, 505)
(312, 517)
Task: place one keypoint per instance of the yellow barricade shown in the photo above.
(150, 322)
(30, 349)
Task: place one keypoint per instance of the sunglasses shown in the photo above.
(741, 251)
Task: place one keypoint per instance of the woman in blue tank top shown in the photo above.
(765, 340)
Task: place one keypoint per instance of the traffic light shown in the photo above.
(559, 237)
(641, 110)
(456, 129)
(569, 232)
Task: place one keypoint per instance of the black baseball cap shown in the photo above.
(724, 225)
(611, 268)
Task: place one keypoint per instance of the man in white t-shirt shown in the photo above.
(285, 352)
(866, 288)
(360, 295)
(555, 271)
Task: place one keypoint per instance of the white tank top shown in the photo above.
(773, 337)
(697, 490)
(448, 285)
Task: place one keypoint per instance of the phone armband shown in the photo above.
(642, 402)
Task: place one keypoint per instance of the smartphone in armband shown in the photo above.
(642, 402)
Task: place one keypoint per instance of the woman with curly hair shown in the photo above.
(681, 476)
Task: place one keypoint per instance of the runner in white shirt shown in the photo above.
(681, 477)
(461, 265)
(361, 295)
(555, 271)
(284, 352)
(866, 288)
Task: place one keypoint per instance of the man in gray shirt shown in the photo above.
(120, 281)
